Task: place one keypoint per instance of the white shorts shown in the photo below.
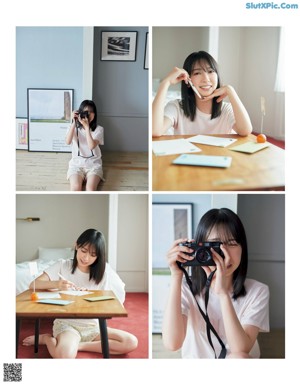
(86, 333)
(84, 172)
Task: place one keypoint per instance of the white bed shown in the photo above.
(46, 257)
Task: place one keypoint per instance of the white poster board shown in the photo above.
(170, 221)
(49, 118)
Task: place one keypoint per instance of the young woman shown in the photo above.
(201, 109)
(87, 271)
(85, 136)
(238, 308)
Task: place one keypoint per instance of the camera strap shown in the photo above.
(209, 326)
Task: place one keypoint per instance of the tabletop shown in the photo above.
(262, 170)
(80, 308)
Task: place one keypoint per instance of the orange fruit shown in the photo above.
(34, 296)
(261, 138)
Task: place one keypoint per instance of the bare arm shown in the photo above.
(92, 143)
(160, 123)
(174, 322)
(70, 133)
(240, 338)
(43, 283)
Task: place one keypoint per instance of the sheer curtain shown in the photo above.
(279, 89)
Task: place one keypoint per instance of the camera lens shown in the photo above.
(203, 256)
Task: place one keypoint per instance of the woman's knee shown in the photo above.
(130, 343)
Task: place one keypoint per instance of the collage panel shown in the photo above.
(218, 276)
(82, 276)
(218, 119)
(82, 108)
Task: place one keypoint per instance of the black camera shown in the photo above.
(202, 253)
(84, 114)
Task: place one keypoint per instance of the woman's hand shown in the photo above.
(84, 122)
(178, 253)
(64, 284)
(220, 283)
(177, 75)
(219, 93)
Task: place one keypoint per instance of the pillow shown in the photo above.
(54, 254)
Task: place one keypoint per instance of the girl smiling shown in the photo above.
(205, 113)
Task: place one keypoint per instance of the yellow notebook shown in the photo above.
(250, 147)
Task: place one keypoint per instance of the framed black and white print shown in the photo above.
(146, 58)
(118, 46)
(49, 118)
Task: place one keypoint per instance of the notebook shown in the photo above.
(203, 160)
(54, 301)
(250, 147)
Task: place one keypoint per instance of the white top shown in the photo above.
(86, 157)
(251, 309)
(202, 123)
(110, 281)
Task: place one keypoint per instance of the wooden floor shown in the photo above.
(272, 345)
(46, 171)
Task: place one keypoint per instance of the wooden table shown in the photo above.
(80, 308)
(263, 170)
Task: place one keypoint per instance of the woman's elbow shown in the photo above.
(172, 345)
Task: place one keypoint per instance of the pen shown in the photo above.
(65, 279)
(195, 89)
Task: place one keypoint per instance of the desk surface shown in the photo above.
(80, 308)
(263, 170)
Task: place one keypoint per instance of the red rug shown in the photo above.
(136, 323)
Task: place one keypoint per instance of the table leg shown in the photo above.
(18, 325)
(104, 337)
(36, 335)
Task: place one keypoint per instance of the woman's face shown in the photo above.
(86, 256)
(204, 78)
(231, 249)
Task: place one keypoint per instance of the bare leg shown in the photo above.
(76, 182)
(64, 346)
(120, 342)
(92, 182)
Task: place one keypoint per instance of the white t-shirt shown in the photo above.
(82, 156)
(251, 309)
(110, 281)
(202, 124)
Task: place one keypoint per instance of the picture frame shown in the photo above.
(146, 56)
(49, 118)
(170, 221)
(21, 134)
(118, 45)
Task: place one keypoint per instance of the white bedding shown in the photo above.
(47, 256)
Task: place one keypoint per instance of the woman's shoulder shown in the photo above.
(251, 286)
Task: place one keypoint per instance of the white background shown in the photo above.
(163, 13)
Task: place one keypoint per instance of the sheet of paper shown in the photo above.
(203, 160)
(76, 292)
(250, 147)
(61, 302)
(211, 140)
(47, 295)
(173, 146)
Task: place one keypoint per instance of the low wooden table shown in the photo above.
(80, 308)
(263, 170)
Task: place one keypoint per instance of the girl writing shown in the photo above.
(85, 136)
(238, 308)
(201, 109)
(87, 271)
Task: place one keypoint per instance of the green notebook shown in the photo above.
(54, 301)
(101, 298)
(250, 147)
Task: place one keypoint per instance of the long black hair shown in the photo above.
(188, 98)
(92, 238)
(227, 223)
(91, 105)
